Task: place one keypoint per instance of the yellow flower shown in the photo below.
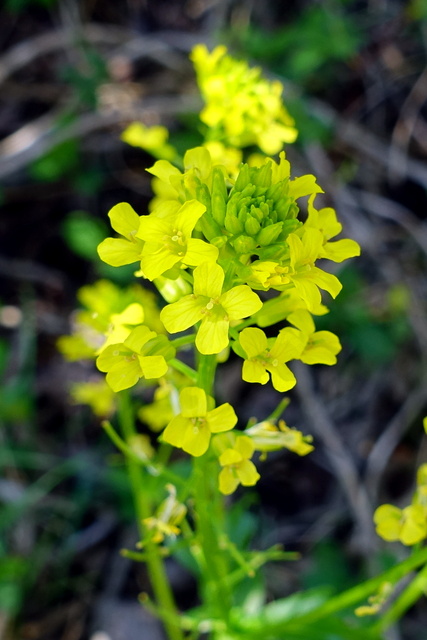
(139, 356)
(264, 359)
(242, 108)
(408, 525)
(168, 241)
(325, 220)
(238, 468)
(214, 308)
(126, 250)
(110, 314)
(304, 275)
(321, 347)
(152, 139)
(191, 430)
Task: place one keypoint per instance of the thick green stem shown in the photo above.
(209, 508)
(156, 570)
(217, 591)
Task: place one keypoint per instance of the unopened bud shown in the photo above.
(244, 244)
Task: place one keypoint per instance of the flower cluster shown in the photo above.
(226, 246)
(242, 108)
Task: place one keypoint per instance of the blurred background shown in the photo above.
(73, 75)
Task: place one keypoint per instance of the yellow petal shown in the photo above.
(199, 251)
(183, 314)
(124, 219)
(196, 440)
(157, 261)
(123, 375)
(230, 456)
(212, 336)
(245, 446)
(193, 402)
(138, 337)
(340, 250)
(153, 366)
(174, 432)
(247, 473)
(208, 280)
(282, 377)
(118, 252)
(228, 481)
(253, 341)
(223, 418)
(253, 371)
(240, 302)
(188, 215)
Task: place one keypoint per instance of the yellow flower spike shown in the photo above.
(126, 363)
(408, 525)
(242, 107)
(321, 346)
(325, 220)
(168, 241)
(191, 429)
(213, 308)
(262, 361)
(126, 250)
(425, 424)
(237, 466)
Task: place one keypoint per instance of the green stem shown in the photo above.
(206, 373)
(183, 368)
(183, 341)
(155, 470)
(217, 592)
(159, 581)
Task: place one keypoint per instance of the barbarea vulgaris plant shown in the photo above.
(232, 247)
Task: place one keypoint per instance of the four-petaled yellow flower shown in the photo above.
(408, 525)
(262, 360)
(126, 250)
(305, 276)
(237, 466)
(214, 308)
(127, 362)
(168, 240)
(191, 429)
(321, 347)
(325, 220)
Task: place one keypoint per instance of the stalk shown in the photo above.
(162, 592)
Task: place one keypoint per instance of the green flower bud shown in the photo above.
(233, 224)
(252, 226)
(243, 179)
(244, 244)
(269, 234)
(219, 196)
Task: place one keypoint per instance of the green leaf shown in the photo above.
(83, 233)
